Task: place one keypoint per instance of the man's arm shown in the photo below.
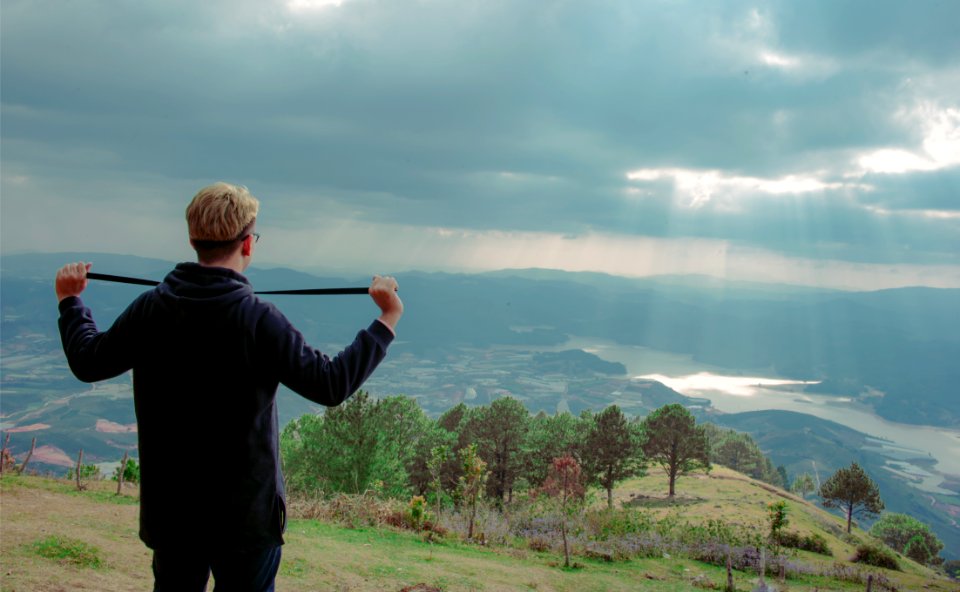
(91, 354)
(329, 381)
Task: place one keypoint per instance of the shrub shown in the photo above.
(815, 544)
(538, 543)
(359, 510)
(777, 519)
(417, 512)
(905, 534)
(918, 550)
(811, 542)
(131, 472)
(876, 556)
(608, 524)
(87, 473)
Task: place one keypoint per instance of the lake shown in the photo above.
(734, 393)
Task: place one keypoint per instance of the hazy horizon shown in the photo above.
(347, 272)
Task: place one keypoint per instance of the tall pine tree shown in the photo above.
(612, 451)
(853, 491)
(499, 432)
(673, 440)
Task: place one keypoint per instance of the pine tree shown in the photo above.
(499, 432)
(674, 441)
(612, 451)
(549, 437)
(851, 490)
(740, 453)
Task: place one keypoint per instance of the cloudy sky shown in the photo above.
(813, 142)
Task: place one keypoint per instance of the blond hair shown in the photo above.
(221, 212)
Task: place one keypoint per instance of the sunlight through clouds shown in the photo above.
(773, 59)
(700, 186)
(305, 5)
(941, 143)
(393, 247)
(549, 133)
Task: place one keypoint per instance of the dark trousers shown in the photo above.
(176, 570)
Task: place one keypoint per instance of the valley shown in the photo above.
(595, 342)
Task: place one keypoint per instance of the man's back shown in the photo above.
(207, 357)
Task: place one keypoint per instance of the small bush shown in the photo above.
(68, 550)
(599, 554)
(815, 544)
(876, 556)
(87, 473)
(131, 472)
(918, 550)
(538, 543)
(416, 513)
(811, 542)
(608, 524)
(351, 510)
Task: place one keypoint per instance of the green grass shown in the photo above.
(102, 490)
(54, 536)
(67, 550)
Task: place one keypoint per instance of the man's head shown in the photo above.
(221, 220)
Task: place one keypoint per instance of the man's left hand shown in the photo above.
(72, 279)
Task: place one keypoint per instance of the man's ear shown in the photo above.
(246, 247)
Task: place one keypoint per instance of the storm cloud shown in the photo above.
(815, 135)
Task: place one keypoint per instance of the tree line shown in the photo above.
(390, 445)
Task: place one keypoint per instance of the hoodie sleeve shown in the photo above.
(310, 373)
(94, 355)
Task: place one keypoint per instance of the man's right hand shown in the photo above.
(72, 279)
(383, 290)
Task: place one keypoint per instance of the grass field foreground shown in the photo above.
(100, 527)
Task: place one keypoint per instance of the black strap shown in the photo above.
(120, 279)
(307, 292)
(318, 291)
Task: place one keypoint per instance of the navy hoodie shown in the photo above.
(207, 357)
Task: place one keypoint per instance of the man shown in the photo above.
(207, 358)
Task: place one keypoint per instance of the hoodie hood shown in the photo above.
(195, 286)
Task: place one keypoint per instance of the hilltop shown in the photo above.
(806, 444)
(323, 554)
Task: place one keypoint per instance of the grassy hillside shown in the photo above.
(797, 440)
(93, 538)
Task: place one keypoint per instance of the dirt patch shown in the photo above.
(52, 455)
(34, 427)
(112, 427)
(648, 501)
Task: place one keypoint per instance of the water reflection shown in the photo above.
(736, 394)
